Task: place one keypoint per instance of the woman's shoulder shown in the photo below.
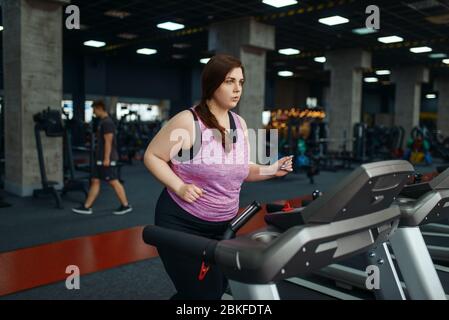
(182, 119)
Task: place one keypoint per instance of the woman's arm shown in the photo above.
(259, 172)
(176, 134)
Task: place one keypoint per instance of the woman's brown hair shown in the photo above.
(213, 75)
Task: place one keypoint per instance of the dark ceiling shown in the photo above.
(419, 22)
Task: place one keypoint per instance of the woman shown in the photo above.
(203, 174)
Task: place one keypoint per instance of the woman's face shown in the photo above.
(228, 93)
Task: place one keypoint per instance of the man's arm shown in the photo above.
(107, 148)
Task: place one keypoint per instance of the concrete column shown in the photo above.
(442, 86)
(345, 95)
(407, 102)
(247, 40)
(32, 59)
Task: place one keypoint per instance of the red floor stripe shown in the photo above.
(36, 266)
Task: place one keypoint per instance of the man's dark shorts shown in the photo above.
(105, 173)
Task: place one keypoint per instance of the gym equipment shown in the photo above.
(134, 135)
(377, 142)
(420, 204)
(50, 122)
(359, 145)
(326, 159)
(294, 127)
(357, 214)
(438, 144)
(434, 227)
(418, 147)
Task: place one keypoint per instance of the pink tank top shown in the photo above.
(219, 173)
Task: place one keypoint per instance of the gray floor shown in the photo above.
(144, 280)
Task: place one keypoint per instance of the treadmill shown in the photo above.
(352, 218)
(420, 204)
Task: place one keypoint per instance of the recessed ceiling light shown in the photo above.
(117, 14)
(285, 73)
(204, 60)
(446, 61)
(146, 51)
(383, 72)
(390, 39)
(334, 20)
(289, 51)
(170, 26)
(420, 49)
(320, 59)
(94, 43)
(437, 55)
(431, 96)
(363, 31)
(279, 3)
(181, 45)
(128, 36)
(371, 79)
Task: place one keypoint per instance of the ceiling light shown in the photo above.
(181, 45)
(128, 36)
(363, 31)
(1, 28)
(431, 96)
(279, 3)
(289, 51)
(437, 55)
(371, 79)
(420, 49)
(383, 72)
(204, 60)
(446, 61)
(334, 20)
(146, 51)
(285, 73)
(170, 26)
(117, 14)
(94, 43)
(390, 39)
(320, 59)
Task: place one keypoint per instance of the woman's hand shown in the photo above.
(283, 166)
(189, 192)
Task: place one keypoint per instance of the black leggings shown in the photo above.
(184, 270)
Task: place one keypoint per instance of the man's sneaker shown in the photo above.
(82, 210)
(123, 209)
